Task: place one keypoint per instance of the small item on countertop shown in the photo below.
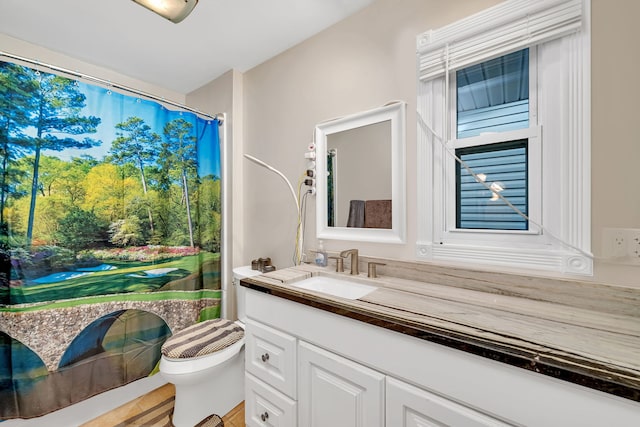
(321, 255)
(262, 264)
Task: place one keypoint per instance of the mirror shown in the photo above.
(360, 182)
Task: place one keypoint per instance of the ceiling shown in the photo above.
(219, 35)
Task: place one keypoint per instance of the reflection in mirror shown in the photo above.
(359, 173)
(360, 176)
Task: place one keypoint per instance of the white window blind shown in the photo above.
(504, 28)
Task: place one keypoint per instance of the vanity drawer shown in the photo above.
(265, 406)
(270, 355)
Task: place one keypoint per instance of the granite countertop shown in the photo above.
(583, 345)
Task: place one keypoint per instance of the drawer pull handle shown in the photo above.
(264, 358)
(264, 417)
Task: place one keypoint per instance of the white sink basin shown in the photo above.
(336, 287)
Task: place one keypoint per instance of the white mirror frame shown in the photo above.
(396, 113)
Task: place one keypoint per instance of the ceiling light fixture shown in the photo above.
(174, 10)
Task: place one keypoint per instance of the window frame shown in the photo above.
(533, 134)
(559, 160)
(447, 230)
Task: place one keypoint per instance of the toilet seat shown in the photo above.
(202, 338)
(190, 364)
(181, 366)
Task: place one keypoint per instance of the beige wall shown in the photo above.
(224, 95)
(360, 63)
(23, 49)
(615, 195)
(368, 60)
(364, 62)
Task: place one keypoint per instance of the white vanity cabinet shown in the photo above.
(350, 373)
(291, 382)
(335, 391)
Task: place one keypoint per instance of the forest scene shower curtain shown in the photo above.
(110, 236)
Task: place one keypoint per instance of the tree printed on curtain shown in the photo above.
(109, 236)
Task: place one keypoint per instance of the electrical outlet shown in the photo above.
(614, 243)
(633, 245)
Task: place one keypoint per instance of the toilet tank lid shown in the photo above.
(245, 271)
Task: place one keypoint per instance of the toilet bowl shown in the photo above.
(208, 375)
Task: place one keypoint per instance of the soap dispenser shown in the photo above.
(321, 255)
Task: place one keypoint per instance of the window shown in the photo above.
(503, 138)
(500, 170)
(492, 98)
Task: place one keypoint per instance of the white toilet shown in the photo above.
(205, 362)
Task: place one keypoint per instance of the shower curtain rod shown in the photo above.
(218, 116)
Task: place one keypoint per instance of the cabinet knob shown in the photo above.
(265, 357)
(264, 417)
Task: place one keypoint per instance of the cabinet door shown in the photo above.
(265, 406)
(337, 392)
(271, 356)
(409, 406)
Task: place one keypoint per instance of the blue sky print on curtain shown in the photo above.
(110, 236)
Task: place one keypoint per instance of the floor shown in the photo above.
(235, 418)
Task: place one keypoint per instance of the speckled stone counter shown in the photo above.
(581, 332)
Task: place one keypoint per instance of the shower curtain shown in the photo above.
(110, 236)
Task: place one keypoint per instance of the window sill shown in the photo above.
(564, 261)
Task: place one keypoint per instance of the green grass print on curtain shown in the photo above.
(110, 236)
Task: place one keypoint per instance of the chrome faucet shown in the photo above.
(354, 260)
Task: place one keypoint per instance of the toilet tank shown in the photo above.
(240, 273)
